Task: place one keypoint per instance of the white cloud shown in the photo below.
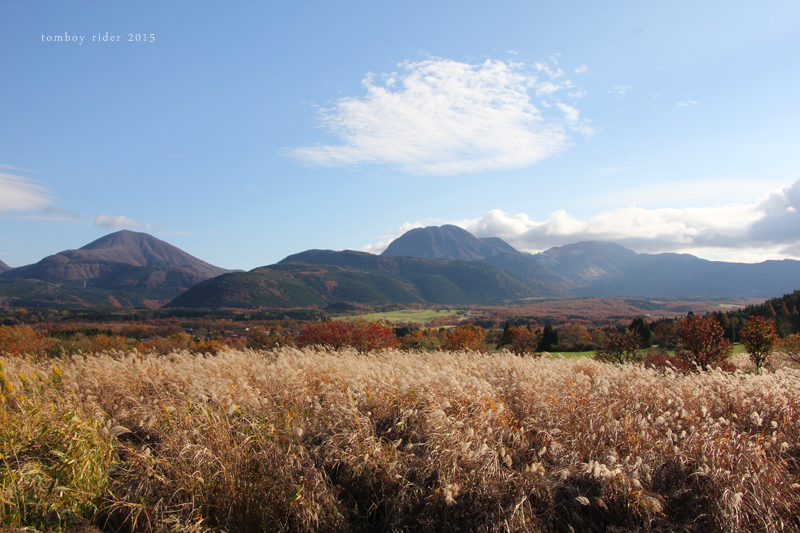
(440, 116)
(621, 90)
(581, 69)
(18, 193)
(755, 231)
(688, 103)
(116, 223)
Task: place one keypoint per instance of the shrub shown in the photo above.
(759, 338)
(22, 340)
(620, 347)
(702, 342)
(660, 359)
(791, 347)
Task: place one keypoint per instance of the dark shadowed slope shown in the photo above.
(323, 277)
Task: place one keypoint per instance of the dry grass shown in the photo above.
(317, 441)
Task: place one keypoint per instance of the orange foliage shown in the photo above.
(467, 337)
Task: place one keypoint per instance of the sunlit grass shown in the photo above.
(292, 440)
(411, 316)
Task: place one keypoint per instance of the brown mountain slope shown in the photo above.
(129, 266)
(109, 253)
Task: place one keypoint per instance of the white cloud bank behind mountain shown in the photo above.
(747, 232)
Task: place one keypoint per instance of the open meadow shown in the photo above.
(315, 440)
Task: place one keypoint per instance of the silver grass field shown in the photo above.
(315, 440)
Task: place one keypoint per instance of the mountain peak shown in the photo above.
(140, 249)
(445, 242)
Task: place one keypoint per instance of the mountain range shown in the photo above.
(439, 265)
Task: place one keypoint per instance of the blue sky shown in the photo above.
(243, 132)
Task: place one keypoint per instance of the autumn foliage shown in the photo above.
(523, 341)
(22, 340)
(338, 334)
(702, 342)
(620, 347)
(759, 338)
(467, 337)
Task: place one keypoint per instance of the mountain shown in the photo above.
(605, 269)
(125, 269)
(457, 244)
(4, 267)
(445, 242)
(611, 269)
(324, 278)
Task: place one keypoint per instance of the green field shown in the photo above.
(419, 316)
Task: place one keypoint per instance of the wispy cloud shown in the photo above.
(688, 103)
(116, 223)
(18, 193)
(440, 116)
(755, 231)
(621, 90)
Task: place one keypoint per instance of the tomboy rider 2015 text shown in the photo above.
(100, 38)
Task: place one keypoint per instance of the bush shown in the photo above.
(791, 347)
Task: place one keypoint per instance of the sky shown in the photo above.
(243, 132)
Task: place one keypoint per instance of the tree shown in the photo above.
(337, 334)
(643, 328)
(702, 341)
(549, 339)
(574, 338)
(523, 341)
(620, 347)
(666, 333)
(467, 337)
(725, 324)
(759, 338)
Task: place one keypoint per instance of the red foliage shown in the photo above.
(22, 340)
(523, 340)
(338, 334)
(661, 359)
(703, 342)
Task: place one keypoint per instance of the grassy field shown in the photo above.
(412, 316)
(293, 440)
